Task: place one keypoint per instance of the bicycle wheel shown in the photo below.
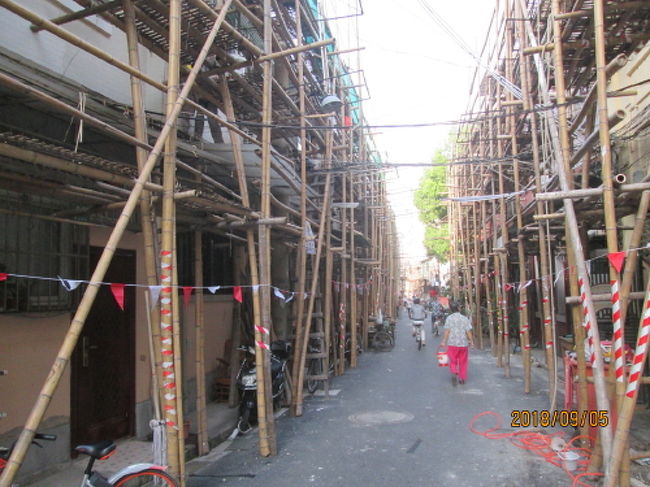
(382, 341)
(146, 478)
(314, 369)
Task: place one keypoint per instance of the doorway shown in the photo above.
(103, 366)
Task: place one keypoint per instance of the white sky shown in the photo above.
(416, 74)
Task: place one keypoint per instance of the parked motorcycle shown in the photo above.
(247, 382)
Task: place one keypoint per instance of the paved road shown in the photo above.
(397, 421)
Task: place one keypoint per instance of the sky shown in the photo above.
(415, 73)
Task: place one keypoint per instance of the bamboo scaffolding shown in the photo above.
(548, 319)
(566, 184)
(63, 356)
(524, 333)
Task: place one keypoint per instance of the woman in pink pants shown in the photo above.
(458, 339)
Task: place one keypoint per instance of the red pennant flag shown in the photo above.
(187, 292)
(3, 276)
(507, 287)
(237, 294)
(617, 259)
(118, 294)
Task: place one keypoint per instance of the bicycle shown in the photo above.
(137, 475)
(419, 333)
(382, 339)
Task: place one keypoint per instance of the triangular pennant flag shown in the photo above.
(278, 293)
(255, 287)
(118, 293)
(213, 289)
(507, 287)
(3, 276)
(154, 292)
(304, 296)
(237, 294)
(616, 259)
(187, 293)
(291, 296)
(69, 284)
(524, 285)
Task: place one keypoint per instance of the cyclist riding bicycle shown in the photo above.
(417, 315)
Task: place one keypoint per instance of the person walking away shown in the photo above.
(458, 338)
(437, 313)
(417, 313)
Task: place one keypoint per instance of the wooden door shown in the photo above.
(103, 375)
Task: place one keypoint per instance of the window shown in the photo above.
(41, 249)
(217, 261)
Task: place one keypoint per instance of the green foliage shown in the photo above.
(433, 211)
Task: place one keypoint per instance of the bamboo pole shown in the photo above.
(240, 169)
(327, 309)
(268, 443)
(178, 362)
(169, 309)
(151, 262)
(201, 403)
(610, 219)
(76, 326)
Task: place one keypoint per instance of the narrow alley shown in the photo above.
(395, 420)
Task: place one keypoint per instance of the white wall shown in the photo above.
(70, 62)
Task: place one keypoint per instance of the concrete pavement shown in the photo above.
(397, 421)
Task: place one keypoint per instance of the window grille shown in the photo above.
(217, 261)
(40, 248)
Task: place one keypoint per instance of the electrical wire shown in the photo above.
(537, 109)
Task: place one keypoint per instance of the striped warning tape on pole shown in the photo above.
(618, 332)
(640, 351)
(587, 322)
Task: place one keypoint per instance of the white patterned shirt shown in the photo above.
(458, 326)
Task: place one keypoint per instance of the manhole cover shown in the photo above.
(374, 418)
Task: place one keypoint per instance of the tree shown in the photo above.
(433, 211)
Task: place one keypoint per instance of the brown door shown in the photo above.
(103, 376)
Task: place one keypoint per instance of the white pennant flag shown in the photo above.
(559, 274)
(290, 297)
(304, 296)
(256, 287)
(524, 285)
(69, 284)
(278, 293)
(154, 292)
(213, 289)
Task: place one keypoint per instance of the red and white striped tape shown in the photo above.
(641, 348)
(587, 322)
(262, 345)
(618, 332)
